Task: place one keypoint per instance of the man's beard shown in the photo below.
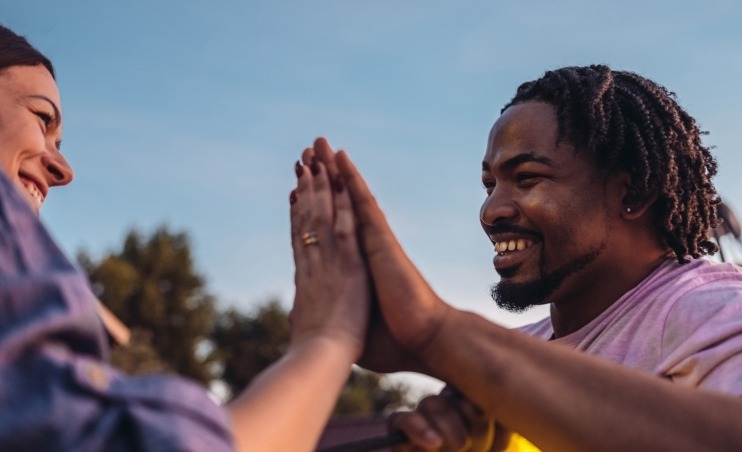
(520, 297)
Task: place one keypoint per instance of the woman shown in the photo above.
(57, 390)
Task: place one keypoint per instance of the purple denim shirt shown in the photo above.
(57, 390)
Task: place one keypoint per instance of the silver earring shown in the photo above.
(628, 210)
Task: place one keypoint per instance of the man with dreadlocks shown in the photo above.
(599, 202)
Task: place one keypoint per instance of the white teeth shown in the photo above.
(512, 245)
(35, 193)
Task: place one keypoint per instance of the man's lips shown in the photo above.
(508, 259)
(513, 245)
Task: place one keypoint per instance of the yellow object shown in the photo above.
(519, 444)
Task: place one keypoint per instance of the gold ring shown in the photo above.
(309, 238)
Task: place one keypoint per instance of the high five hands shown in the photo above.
(406, 315)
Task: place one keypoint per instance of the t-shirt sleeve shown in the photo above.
(702, 339)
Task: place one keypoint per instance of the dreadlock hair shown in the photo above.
(626, 122)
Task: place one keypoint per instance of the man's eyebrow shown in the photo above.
(520, 159)
(57, 114)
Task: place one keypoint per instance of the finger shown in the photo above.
(345, 227)
(303, 212)
(444, 417)
(420, 433)
(502, 438)
(306, 156)
(481, 428)
(326, 155)
(323, 213)
(363, 200)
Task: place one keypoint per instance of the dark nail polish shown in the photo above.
(314, 166)
(292, 197)
(338, 185)
(298, 168)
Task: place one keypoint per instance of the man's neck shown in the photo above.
(570, 312)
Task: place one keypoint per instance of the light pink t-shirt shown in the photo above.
(683, 322)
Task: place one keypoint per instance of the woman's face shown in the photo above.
(31, 132)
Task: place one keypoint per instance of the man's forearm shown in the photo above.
(562, 399)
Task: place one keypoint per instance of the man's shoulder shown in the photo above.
(705, 291)
(697, 276)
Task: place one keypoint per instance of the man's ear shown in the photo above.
(633, 205)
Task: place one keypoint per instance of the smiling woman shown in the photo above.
(59, 391)
(30, 121)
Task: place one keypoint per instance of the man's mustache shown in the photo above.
(504, 228)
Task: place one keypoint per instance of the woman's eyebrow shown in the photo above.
(57, 114)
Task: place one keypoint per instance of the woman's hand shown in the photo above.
(332, 288)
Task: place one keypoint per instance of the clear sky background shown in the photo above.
(192, 113)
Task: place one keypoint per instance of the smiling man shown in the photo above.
(599, 203)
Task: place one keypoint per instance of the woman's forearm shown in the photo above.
(286, 407)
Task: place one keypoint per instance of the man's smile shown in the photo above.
(511, 253)
(512, 245)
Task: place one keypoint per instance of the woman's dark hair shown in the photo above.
(626, 122)
(15, 50)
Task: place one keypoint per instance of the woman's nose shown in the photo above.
(57, 169)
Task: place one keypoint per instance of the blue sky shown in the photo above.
(192, 113)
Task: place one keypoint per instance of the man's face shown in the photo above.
(30, 132)
(546, 210)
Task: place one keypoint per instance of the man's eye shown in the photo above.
(523, 177)
(488, 185)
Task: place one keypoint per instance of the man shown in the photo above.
(599, 203)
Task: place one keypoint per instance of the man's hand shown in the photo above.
(446, 422)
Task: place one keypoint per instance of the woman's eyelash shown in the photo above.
(45, 117)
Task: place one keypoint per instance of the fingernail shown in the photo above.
(292, 197)
(338, 184)
(431, 438)
(298, 168)
(314, 166)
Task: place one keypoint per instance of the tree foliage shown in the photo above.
(151, 285)
(246, 345)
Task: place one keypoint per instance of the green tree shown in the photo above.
(247, 344)
(152, 286)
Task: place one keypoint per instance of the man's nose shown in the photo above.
(498, 206)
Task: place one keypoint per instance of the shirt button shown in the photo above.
(97, 377)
